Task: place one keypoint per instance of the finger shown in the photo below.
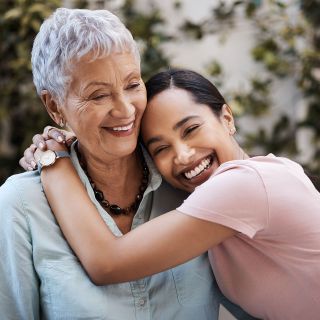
(56, 134)
(69, 135)
(70, 141)
(39, 141)
(25, 165)
(45, 131)
(29, 157)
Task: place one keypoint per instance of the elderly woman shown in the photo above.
(87, 72)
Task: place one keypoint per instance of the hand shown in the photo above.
(40, 142)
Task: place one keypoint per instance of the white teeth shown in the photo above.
(198, 169)
(124, 128)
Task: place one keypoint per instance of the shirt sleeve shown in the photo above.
(19, 285)
(234, 197)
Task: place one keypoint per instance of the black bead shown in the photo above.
(105, 203)
(99, 195)
(116, 210)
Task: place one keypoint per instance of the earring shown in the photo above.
(61, 124)
(232, 131)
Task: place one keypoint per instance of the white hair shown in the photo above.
(67, 36)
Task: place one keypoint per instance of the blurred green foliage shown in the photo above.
(290, 48)
(21, 113)
(278, 48)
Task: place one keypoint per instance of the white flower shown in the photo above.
(316, 74)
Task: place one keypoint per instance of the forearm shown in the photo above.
(79, 219)
(160, 244)
(106, 258)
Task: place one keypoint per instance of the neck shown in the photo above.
(238, 152)
(118, 179)
(242, 155)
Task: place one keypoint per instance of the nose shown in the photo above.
(184, 154)
(123, 108)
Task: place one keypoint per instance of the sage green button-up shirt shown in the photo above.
(41, 278)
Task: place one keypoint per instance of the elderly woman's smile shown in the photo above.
(105, 104)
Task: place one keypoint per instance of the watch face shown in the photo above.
(48, 158)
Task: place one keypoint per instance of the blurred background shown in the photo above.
(263, 55)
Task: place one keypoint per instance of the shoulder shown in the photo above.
(167, 198)
(18, 190)
(235, 196)
(240, 176)
(21, 182)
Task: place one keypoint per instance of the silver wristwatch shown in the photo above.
(49, 157)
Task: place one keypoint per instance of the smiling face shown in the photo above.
(104, 105)
(186, 140)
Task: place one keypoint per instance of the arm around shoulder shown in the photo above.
(159, 244)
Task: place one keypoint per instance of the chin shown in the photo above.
(188, 189)
(123, 150)
(180, 186)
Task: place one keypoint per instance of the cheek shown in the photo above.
(86, 124)
(140, 101)
(163, 164)
(145, 129)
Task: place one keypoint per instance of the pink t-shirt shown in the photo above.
(271, 268)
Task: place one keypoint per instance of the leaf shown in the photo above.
(13, 14)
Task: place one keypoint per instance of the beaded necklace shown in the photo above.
(114, 209)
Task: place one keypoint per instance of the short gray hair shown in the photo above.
(66, 37)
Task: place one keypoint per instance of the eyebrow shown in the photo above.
(135, 73)
(97, 83)
(182, 122)
(106, 84)
(175, 127)
(153, 140)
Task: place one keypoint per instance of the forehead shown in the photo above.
(112, 69)
(175, 103)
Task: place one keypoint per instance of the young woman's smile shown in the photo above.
(186, 140)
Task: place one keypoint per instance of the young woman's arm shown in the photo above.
(162, 243)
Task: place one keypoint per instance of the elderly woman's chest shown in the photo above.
(65, 290)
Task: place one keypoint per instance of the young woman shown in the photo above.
(258, 217)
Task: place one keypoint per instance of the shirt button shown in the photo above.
(141, 302)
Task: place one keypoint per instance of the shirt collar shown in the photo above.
(154, 183)
(155, 178)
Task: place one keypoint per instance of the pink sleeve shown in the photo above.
(235, 197)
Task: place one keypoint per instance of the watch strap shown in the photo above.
(59, 154)
(62, 154)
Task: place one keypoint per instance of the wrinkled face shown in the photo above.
(104, 105)
(186, 140)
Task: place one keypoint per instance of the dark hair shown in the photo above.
(314, 179)
(200, 88)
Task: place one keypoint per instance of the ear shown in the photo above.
(53, 109)
(227, 119)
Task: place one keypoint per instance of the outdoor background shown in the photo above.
(263, 55)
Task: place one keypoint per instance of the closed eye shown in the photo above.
(100, 97)
(190, 129)
(159, 149)
(133, 85)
